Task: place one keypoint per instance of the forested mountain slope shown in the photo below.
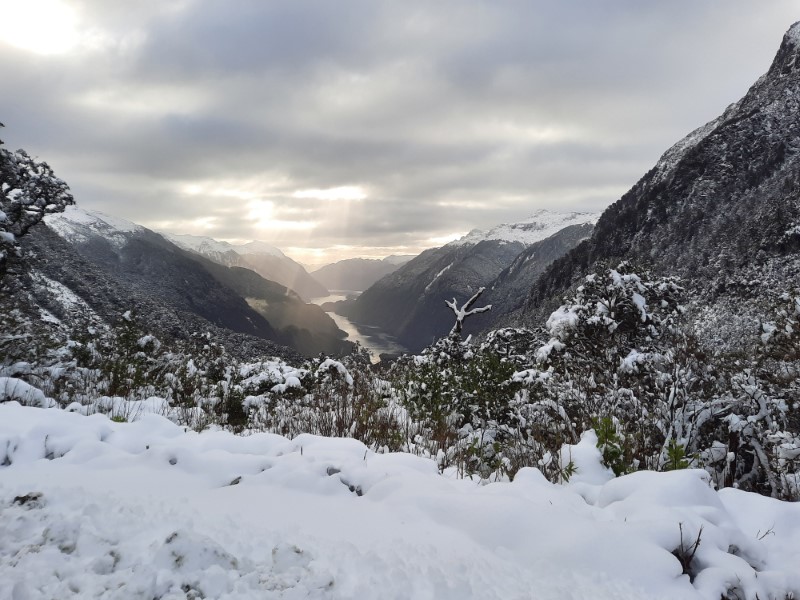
(115, 266)
(410, 303)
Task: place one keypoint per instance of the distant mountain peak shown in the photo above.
(204, 244)
(357, 274)
(398, 259)
(266, 260)
(540, 225)
(258, 247)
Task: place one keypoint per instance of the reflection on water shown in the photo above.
(372, 338)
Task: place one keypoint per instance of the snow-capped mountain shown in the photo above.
(539, 226)
(266, 260)
(206, 245)
(173, 289)
(410, 302)
(79, 225)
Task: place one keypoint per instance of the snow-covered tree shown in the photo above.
(28, 191)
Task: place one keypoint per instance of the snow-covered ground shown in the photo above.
(149, 510)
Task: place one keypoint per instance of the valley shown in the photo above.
(372, 338)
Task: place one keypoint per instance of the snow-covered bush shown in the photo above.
(464, 398)
(611, 359)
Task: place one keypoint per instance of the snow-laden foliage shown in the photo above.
(624, 359)
(621, 357)
(28, 191)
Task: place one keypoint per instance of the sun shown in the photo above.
(39, 26)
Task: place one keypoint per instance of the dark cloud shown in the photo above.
(210, 116)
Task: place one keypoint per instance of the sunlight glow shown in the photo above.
(262, 213)
(348, 192)
(39, 26)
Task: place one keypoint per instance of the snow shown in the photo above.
(541, 225)
(561, 321)
(77, 224)
(435, 277)
(197, 243)
(207, 245)
(90, 508)
(20, 391)
(64, 296)
(634, 358)
(332, 365)
(670, 159)
(95, 220)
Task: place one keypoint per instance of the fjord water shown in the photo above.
(373, 339)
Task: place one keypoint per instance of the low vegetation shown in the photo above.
(621, 357)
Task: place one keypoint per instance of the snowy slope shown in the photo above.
(148, 510)
(410, 303)
(542, 224)
(77, 225)
(206, 245)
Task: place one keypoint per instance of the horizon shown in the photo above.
(364, 129)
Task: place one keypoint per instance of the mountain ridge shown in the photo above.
(266, 260)
(719, 209)
(410, 302)
(356, 274)
(144, 262)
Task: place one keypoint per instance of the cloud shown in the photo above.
(244, 120)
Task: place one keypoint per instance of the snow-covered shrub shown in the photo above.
(611, 360)
(463, 396)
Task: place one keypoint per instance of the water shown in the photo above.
(373, 339)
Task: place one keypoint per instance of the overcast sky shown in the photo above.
(364, 127)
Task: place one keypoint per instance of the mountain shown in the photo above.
(410, 303)
(398, 259)
(305, 327)
(720, 209)
(266, 260)
(508, 291)
(356, 274)
(540, 225)
(172, 289)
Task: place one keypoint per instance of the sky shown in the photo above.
(335, 129)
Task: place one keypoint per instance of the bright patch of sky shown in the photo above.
(39, 26)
